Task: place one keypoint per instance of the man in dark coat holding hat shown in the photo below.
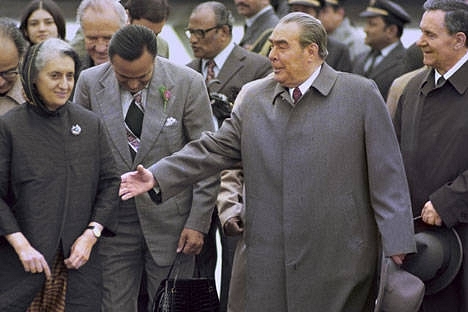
(431, 125)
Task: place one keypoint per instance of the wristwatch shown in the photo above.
(96, 231)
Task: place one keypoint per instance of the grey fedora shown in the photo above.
(438, 258)
(399, 291)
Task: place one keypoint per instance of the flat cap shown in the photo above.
(311, 3)
(387, 8)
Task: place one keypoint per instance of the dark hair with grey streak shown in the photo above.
(223, 15)
(9, 30)
(312, 30)
(456, 14)
(130, 42)
(36, 59)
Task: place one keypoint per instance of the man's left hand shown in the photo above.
(190, 242)
(429, 215)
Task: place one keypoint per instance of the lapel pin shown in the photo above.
(76, 129)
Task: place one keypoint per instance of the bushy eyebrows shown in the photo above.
(279, 42)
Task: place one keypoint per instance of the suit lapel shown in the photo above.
(108, 99)
(155, 116)
(394, 57)
(234, 63)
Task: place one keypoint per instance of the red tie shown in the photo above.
(296, 94)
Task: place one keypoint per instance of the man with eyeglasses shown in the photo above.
(11, 50)
(210, 33)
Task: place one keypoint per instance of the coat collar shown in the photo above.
(457, 80)
(323, 83)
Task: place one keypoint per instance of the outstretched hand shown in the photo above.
(136, 182)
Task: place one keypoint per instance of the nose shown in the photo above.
(63, 83)
(272, 54)
(42, 26)
(420, 42)
(101, 47)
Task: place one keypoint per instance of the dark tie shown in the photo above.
(440, 82)
(134, 122)
(296, 94)
(373, 57)
(210, 74)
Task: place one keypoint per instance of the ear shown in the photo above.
(460, 40)
(312, 50)
(392, 30)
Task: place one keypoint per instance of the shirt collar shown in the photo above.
(305, 86)
(386, 51)
(221, 58)
(452, 70)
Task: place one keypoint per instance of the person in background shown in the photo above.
(385, 22)
(12, 50)
(99, 20)
(339, 27)
(260, 18)
(152, 14)
(324, 179)
(338, 53)
(151, 108)
(42, 19)
(58, 190)
(233, 67)
(430, 123)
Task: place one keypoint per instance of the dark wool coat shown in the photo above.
(322, 179)
(52, 184)
(432, 127)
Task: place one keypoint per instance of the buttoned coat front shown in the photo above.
(166, 129)
(322, 178)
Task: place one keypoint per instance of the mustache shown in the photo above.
(242, 4)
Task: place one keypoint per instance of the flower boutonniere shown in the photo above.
(165, 94)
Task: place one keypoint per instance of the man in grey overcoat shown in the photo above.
(324, 179)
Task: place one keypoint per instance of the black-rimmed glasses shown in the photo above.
(9, 74)
(199, 33)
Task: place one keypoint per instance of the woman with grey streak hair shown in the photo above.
(58, 187)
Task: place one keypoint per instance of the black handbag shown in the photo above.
(196, 294)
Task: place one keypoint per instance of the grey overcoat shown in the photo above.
(322, 178)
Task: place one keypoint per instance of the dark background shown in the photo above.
(180, 9)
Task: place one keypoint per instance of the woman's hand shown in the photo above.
(81, 250)
(31, 259)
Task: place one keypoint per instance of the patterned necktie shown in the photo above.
(134, 122)
(296, 94)
(210, 74)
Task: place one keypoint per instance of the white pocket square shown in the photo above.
(170, 122)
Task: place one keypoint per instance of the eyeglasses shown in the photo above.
(199, 33)
(9, 74)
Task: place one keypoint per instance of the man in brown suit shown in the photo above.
(324, 179)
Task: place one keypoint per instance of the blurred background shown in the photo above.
(180, 10)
